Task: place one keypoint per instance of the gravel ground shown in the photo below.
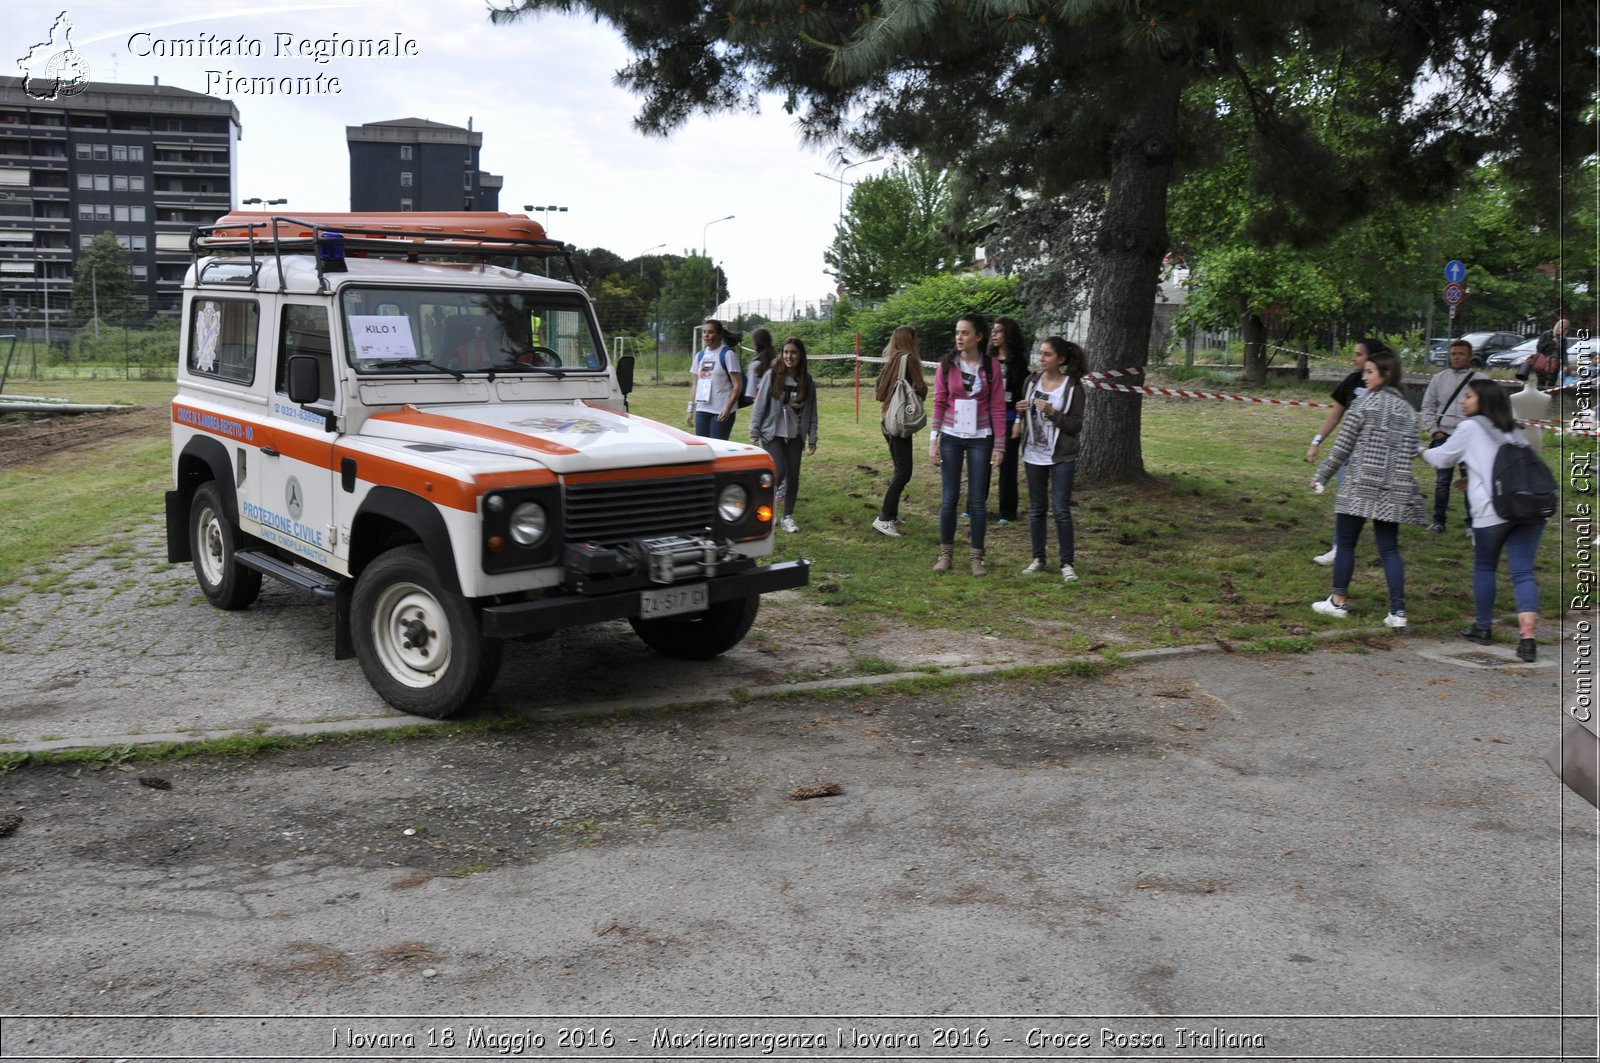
(1260, 845)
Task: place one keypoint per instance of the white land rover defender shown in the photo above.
(386, 411)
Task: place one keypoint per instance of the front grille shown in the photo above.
(612, 513)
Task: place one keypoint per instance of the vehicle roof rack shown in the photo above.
(474, 236)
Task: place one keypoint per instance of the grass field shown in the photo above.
(1214, 544)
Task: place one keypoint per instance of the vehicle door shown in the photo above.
(295, 467)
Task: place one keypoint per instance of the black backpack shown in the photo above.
(1523, 488)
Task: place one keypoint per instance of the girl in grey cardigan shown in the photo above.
(1377, 443)
(784, 419)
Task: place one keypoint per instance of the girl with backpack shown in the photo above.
(784, 420)
(1486, 424)
(901, 361)
(969, 427)
(1050, 412)
(717, 381)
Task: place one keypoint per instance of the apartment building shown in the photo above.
(415, 164)
(147, 162)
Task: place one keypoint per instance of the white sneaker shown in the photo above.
(1067, 575)
(886, 527)
(1327, 608)
(1036, 565)
(789, 525)
(1395, 620)
(1327, 558)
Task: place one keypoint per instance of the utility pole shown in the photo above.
(94, 295)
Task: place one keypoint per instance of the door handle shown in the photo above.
(270, 452)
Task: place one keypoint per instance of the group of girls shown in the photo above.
(990, 413)
(1377, 442)
(783, 406)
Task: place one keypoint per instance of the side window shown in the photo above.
(304, 330)
(222, 339)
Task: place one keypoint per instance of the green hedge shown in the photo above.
(930, 306)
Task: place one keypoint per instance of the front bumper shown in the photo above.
(559, 612)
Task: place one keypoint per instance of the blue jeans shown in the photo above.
(1521, 542)
(1346, 533)
(976, 453)
(707, 425)
(1443, 479)
(1052, 485)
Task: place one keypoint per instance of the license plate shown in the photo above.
(670, 601)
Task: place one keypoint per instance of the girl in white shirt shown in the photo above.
(1050, 415)
(1487, 423)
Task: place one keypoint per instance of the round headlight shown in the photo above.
(732, 504)
(528, 524)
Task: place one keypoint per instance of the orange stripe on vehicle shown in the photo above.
(412, 415)
(746, 461)
(434, 486)
(655, 472)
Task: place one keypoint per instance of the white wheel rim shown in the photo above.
(403, 612)
(212, 547)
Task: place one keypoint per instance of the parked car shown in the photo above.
(1483, 345)
(1513, 357)
(1439, 349)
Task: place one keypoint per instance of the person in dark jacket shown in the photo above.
(1007, 343)
(1050, 412)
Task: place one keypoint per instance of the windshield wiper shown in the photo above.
(423, 363)
(555, 371)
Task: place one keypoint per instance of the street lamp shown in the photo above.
(546, 223)
(641, 254)
(843, 184)
(546, 211)
(703, 230)
(263, 202)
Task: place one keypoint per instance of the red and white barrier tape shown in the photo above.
(1179, 393)
(1100, 379)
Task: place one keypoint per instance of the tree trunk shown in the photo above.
(1131, 243)
(1255, 349)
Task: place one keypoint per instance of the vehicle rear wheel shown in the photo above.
(700, 636)
(212, 542)
(418, 643)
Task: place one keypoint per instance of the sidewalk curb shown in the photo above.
(584, 710)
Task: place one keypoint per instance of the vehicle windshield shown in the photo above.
(454, 331)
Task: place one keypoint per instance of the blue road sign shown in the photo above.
(1455, 271)
(1453, 294)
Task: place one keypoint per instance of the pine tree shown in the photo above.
(1024, 98)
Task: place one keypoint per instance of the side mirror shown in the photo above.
(305, 383)
(625, 373)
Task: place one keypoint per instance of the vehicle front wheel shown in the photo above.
(700, 636)
(212, 542)
(418, 643)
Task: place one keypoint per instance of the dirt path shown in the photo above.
(29, 439)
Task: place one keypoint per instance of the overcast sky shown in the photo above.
(541, 93)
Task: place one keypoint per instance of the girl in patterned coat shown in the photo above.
(1375, 446)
